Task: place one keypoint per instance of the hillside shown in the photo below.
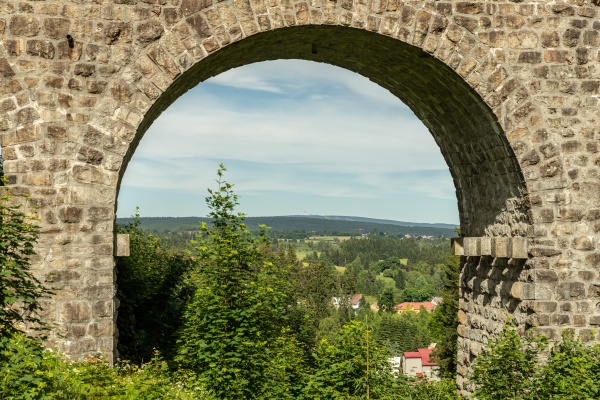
(322, 225)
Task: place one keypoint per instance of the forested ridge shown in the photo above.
(299, 226)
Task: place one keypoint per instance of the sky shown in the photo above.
(297, 137)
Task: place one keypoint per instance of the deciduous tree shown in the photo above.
(20, 291)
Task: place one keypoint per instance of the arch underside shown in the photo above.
(490, 188)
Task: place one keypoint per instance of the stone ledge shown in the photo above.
(498, 247)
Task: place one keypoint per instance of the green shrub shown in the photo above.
(30, 371)
(514, 367)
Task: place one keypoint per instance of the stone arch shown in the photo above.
(509, 91)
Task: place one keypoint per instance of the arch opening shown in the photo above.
(489, 186)
(298, 138)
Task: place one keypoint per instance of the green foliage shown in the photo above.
(391, 250)
(402, 332)
(572, 371)
(29, 371)
(315, 286)
(508, 369)
(516, 367)
(386, 300)
(405, 389)
(444, 320)
(20, 290)
(350, 366)
(236, 334)
(245, 317)
(153, 294)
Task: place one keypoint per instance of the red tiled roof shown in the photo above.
(423, 354)
(426, 357)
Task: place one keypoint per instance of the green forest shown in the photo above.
(237, 314)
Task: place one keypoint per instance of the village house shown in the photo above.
(418, 364)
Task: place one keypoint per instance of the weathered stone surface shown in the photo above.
(6, 69)
(71, 215)
(76, 311)
(149, 32)
(122, 245)
(57, 28)
(24, 25)
(508, 89)
(458, 247)
(118, 32)
(40, 48)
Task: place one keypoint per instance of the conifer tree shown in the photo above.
(444, 321)
(236, 333)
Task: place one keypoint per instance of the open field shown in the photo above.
(329, 238)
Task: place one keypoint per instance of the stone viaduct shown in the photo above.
(508, 88)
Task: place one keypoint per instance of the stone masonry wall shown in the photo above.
(508, 89)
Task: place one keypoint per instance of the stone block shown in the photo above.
(149, 32)
(579, 320)
(585, 243)
(570, 291)
(457, 247)
(472, 247)
(57, 28)
(523, 291)
(71, 215)
(122, 245)
(486, 246)
(103, 308)
(24, 25)
(500, 247)
(40, 48)
(76, 311)
(100, 328)
(518, 248)
(544, 291)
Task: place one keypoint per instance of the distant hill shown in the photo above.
(311, 224)
(383, 221)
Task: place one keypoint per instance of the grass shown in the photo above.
(302, 253)
(328, 238)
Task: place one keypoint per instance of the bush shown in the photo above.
(30, 371)
(513, 367)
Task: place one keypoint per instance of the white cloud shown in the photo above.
(289, 76)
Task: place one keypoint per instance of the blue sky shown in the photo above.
(297, 137)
